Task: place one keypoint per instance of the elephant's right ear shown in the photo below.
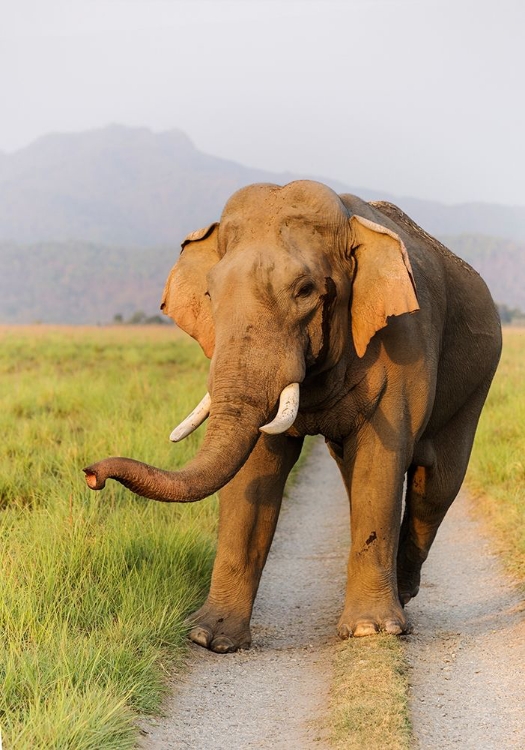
(184, 297)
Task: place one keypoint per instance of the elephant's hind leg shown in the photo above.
(431, 490)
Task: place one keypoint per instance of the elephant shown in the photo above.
(323, 314)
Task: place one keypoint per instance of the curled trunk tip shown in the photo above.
(92, 479)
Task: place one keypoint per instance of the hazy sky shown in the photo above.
(418, 97)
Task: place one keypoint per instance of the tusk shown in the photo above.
(288, 408)
(192, 421)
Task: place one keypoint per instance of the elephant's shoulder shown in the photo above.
(403, 221)
(409, 226)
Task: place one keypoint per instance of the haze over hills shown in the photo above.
(90, 223)
(129, 186)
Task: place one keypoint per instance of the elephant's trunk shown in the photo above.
(229, 440)
(242, 399)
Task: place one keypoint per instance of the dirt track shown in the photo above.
(467, 651)
(272, 695)
(468, 647)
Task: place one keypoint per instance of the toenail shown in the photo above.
(364, 629)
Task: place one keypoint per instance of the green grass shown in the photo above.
(496, 475)
(95, 587)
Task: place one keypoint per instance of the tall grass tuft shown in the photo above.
(95, 587)
(497, 468)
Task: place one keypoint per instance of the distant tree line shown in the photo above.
(511, 315)
(139, 318)
(508, 315)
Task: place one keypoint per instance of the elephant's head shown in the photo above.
(275, 294)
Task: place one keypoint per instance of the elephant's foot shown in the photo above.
(359, 621)
(219, 631)
(408, 585)
(408, 577)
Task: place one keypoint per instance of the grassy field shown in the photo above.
(496, 475)
(95, 588)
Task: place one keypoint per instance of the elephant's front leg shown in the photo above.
(373, 473)
(248, 511)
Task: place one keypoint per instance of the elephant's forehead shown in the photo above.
(261, 261)
(275, 234)
(262, 206)
(268, 266)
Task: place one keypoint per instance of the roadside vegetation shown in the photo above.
(95, 587)
(496, 473)
(369, 697)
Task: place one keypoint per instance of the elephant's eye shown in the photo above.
(207, 294)
(305, 290)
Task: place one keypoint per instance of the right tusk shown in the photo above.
(192, 421)
(287, 413)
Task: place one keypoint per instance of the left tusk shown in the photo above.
(287, 413)
(192, 421)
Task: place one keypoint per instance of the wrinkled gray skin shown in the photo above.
(394, 341)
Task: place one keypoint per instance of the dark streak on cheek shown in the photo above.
(328, 301)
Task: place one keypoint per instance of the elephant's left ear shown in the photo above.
(383, 284)
(184, 297)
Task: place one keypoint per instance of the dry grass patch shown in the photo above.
(369, 700)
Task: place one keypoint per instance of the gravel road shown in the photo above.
(274, 695)
(466, 653)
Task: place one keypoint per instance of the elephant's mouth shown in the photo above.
(283, 420)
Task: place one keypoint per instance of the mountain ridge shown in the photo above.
(91, 223)
(119, 185)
